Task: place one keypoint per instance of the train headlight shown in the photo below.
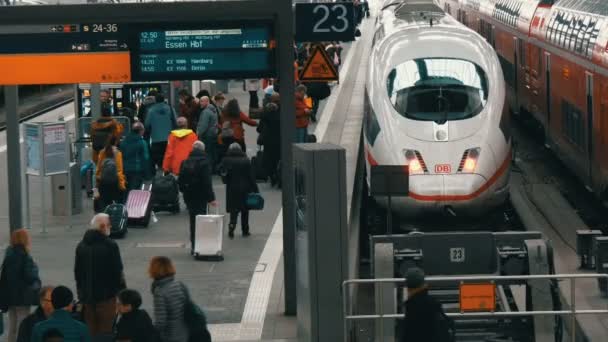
(415, 161)
(469, 160)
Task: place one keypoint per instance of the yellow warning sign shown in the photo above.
(319, 67)
(477, 297)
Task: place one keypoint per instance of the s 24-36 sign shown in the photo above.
(317, 22)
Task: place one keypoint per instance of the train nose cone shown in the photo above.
(446, 188)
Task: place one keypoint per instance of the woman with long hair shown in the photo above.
(232, 124)
(19, 281)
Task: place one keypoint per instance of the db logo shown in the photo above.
(443, 168)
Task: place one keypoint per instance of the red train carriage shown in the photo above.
(554, 56)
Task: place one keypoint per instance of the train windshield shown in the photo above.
(438, 89)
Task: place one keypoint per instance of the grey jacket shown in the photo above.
(207, 123)
(169, 304)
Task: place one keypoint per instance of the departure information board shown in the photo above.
(110, 52)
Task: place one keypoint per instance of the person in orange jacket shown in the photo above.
(303, 111)
(179, 146)
(110, 176)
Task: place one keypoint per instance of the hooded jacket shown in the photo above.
(160, 120)
(239, 179)
(21, 272)
(136, 157)
(178, 148)
(102, 124)
(98, 268)
(122, 181)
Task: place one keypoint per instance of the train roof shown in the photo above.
(598, 7)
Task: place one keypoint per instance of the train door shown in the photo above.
(590, 135)
(548, 94)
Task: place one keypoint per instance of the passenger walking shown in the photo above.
(270, 134)
(240, 181)
(111, 182)
(178, 147)
(136, 155)
(302, 114)
(99, 276)
(61, 320)
(196, 185)
(146, 103)
(169, 301)
(317, 91)
(42, 313)
(253, 86)
(424, 316)
(232, 122)
(219, 99)
(188, 108)
(103, 130)
(160, 121)
(132, 323)
(207, 129)
(19, 281)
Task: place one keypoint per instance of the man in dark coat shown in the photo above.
(423, 314)
(196, 186)
(270, 136)
(240, 181)
(42, 313)
(99, 275)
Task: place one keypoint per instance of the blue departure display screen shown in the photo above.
(191, 52)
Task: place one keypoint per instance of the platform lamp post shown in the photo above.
(13, 158)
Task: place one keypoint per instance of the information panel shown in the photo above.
(33, 148)
(56, 148)
(111, 52)
(195, 52)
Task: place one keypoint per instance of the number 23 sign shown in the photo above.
(318, 22)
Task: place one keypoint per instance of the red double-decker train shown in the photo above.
(554, 56)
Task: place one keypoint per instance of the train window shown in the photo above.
(572, 124)
(437, 89)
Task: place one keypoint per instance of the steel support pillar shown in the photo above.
(13, 157)
(285, 36)
(95, 102)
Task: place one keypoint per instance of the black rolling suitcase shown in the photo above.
(165, 194)
(257, 163)
(118, 218)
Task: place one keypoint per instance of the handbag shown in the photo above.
(254, 201)
(195, 320)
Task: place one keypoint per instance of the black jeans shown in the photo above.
(109, 194)
(158, 153)
(134, 180)
(244, 219)
(195, 209)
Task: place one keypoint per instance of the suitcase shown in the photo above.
(118, 219)
(139, 207)
(257, 163)
(208, 237)
(165, 194)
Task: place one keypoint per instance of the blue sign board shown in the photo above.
(33, 149)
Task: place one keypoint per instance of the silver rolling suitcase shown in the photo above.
(208, 237)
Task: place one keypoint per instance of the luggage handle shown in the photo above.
(143, 187)
(217, 208)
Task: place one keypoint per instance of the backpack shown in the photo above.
(188, 179)
(227, 131)
(109, 172)
(444, 330)
(195, 320)
(101, 136)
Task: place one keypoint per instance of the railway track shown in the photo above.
(44, 110)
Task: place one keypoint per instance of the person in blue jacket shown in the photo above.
(61, 319)
(160, 121)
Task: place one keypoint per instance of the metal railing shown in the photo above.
(573, 312)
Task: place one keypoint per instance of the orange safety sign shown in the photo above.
(477, 297)
(319, 67)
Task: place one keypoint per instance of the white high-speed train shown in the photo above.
(435, 100)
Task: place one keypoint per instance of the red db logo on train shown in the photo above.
(443, 168)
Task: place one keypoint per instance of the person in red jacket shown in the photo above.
(303, 112)
(179, 146)
(232, 124)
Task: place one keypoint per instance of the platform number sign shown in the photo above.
(319, 22)
(457, 254)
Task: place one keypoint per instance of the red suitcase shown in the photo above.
(139, 207)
